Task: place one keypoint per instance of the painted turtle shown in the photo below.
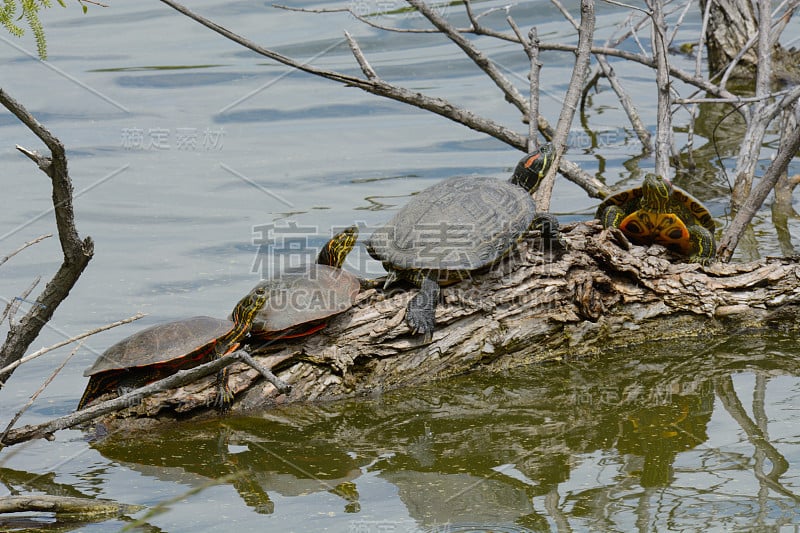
(457, 226)
(161, 350)
(300, 302)
(659, 212)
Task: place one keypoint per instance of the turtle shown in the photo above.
(301, 300)
(457, 226)
(161, 350)
(659, 212)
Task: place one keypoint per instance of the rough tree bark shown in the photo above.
(601, 294)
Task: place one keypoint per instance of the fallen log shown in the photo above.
(602, 293)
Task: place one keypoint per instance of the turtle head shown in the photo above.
(532, 168)
(656, 193)
(249, 306)
(335, 250)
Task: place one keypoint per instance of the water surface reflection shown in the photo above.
(660, 436)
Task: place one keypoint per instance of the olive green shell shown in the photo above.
(162, 343)
(312, 294)
(460, 224)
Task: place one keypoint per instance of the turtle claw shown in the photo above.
(224, 397)
(420, 324)
(421, 310)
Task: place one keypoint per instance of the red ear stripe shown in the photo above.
(530, 161)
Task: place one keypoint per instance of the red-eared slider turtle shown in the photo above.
(161, 350)
(658, 212)
(457, 226)
(300, 302)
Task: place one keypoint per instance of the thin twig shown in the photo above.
(26, 245)
(15, 303)
(183, 377)
(732, 101)
(677, 25)
(39, 391)
(627, 104)
(627, 6)
(566, 14)
(57, 345)
(366, 68)
(531, 46)
(479, 58)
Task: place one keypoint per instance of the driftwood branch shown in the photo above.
(135, 398)
(77, 253)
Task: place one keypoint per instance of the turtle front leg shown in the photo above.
(548, 225)
(613, 216)
(421, 310)
(225, 395)
(703, 248)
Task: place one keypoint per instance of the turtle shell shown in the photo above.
(667, 226)
(163, 343)
(304, 298)
(460, 224)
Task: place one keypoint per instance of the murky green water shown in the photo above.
(182, 145)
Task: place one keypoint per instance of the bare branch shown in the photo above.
(677, 25)
(57, 345)
(627, 104)
(663, 143)
(531, 47)
(439, 106)
(757, 117)
(479, 58)
(183, 377)
(13, 305)
(77, 253)
(579, 73)
(567, 14)
(366, 68)
(730, 239)
(26, 245)
(36, 394)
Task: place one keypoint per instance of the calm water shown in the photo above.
(184, 149)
